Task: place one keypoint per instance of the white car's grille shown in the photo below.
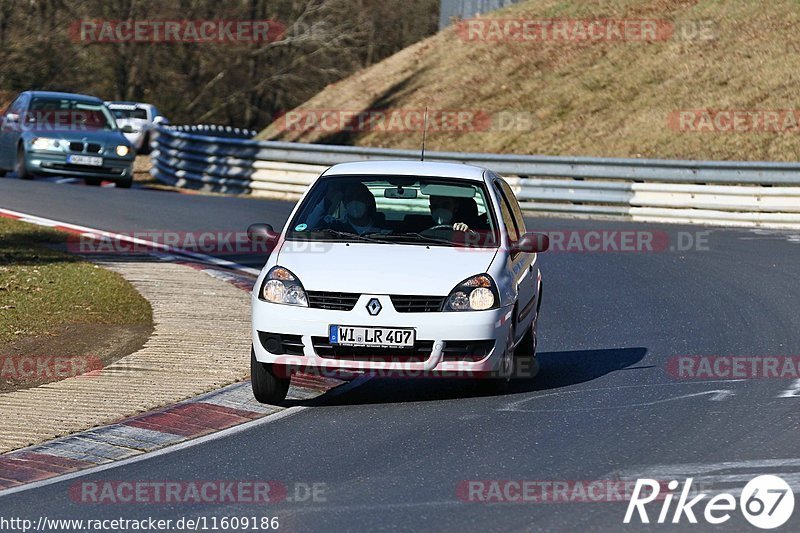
(346, 301)
(417, 304)
(337, 301)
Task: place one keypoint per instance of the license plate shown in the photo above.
(377, 337)
(88, 160)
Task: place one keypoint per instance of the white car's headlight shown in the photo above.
(123, 150)
(43, 143)
(477, 293)
(282, 287)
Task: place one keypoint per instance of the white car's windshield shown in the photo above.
(129, 112)
(396, 209)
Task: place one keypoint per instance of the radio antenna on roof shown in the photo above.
(424, 133)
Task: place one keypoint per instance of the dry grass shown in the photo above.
(54, 306)
(6, 97)
(599, 99)
(43, 289)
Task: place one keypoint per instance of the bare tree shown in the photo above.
(242, 84)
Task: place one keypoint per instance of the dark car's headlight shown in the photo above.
(43, 143)
(477, 293)
(122, 150)
(282, 287)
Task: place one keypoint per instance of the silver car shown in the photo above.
(142, 118)
(64, 134)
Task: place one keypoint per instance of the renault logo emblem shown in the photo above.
(374, 307)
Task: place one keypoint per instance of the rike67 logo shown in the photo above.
(767, 502)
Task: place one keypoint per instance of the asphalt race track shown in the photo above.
(393, 453)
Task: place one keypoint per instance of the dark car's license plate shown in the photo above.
(88, 160)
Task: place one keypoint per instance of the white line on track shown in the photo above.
(794, 392)
(102, 234)
(715, 395)
(280, 415)
(715, 474)
(157, 453)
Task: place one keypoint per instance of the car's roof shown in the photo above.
(71, 96)
(125, 104)
(407, 168)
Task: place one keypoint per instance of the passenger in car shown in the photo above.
(361, 215)
(329, 209)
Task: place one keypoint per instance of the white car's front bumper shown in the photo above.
(136, 139)
(436, 328)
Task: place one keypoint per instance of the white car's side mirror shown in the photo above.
(261, 233)
(531, 243)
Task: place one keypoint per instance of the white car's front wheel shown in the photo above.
(268, 387)
(499, 381)
(526, 362)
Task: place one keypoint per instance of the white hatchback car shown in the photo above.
(142, 118)
(409, 268)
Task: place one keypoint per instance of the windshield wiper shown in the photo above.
(367, 237)
(414, 237)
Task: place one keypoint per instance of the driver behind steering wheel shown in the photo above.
(445, 212)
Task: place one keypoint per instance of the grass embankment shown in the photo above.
(592, 98)
(54, 305)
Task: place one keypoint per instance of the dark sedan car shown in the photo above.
(50, 133)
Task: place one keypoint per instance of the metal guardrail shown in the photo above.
(764, 194)
(214, 130)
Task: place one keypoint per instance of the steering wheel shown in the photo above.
(440, 226)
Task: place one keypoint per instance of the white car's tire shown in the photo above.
(499, 381)
(267, 386)
(525, 353)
